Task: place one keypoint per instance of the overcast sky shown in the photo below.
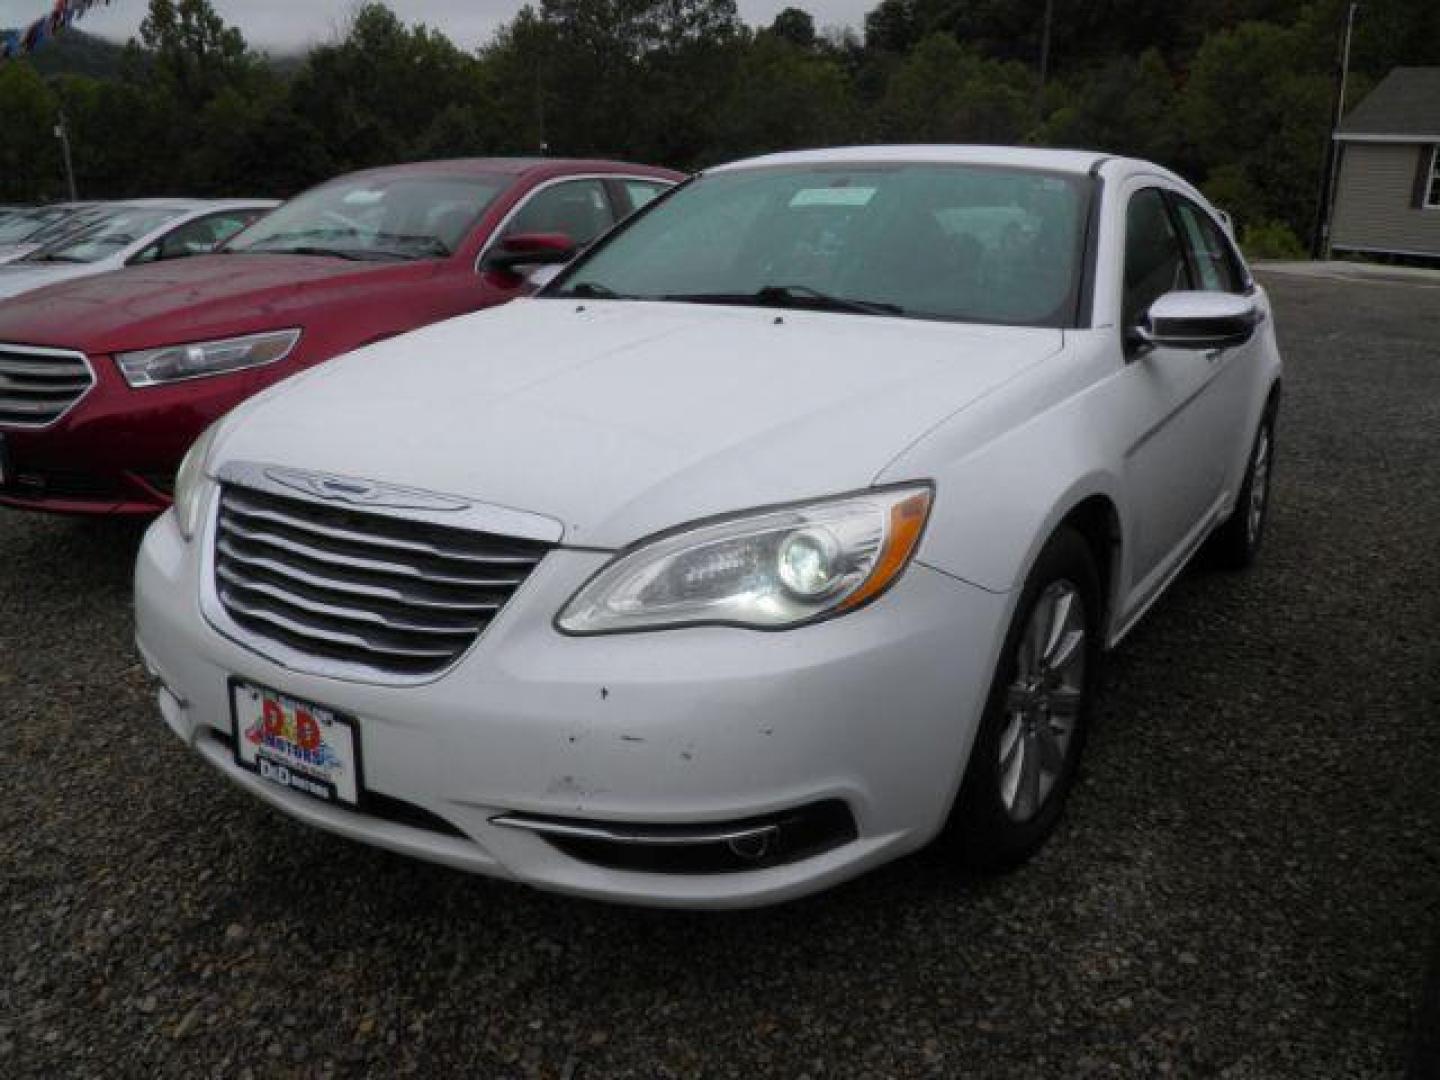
(290, 25)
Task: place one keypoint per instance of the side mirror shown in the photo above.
(530, 249)
(1197, 320)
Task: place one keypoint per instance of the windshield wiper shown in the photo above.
(402, 256)
(426, 245)
(791, 296)
(589, 290)
(331, 253)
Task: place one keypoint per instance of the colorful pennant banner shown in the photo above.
(18, 43)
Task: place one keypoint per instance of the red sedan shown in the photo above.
(105, 382)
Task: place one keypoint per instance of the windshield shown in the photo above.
(114, 233)
(67, 224)
(962, 242)
(412, 217)
(19, 227)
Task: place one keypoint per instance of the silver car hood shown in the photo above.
(21, 277)
(618, 419)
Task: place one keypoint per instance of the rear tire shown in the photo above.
(1235, 545)
(1028, 746)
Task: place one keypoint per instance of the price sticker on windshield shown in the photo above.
(832, 196)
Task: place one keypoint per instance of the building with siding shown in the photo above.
(1387, 195)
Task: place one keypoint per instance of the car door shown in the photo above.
(1217, 268)
(1172, 463)
(580, 208)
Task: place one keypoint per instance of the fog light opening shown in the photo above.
(754, 847)
(724, 847)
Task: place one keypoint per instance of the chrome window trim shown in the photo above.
(514, 211)
(39, 350)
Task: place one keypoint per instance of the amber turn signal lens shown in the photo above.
(907, 522)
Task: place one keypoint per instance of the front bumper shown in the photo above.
(116, 450)
(875, 710)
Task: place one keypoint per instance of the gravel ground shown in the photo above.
(1247, 883)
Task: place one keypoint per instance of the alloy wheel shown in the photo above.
(1259, 487)
(1043, 703)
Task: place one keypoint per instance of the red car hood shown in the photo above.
(193, 299)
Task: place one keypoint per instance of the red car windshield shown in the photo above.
(403, 217)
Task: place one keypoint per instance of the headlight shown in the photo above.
(174, 363)
(190, 483)
(770, 570)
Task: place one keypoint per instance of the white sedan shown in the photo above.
(779, 535)
(28, 229)
(130, 234)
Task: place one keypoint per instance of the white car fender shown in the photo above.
(1028, 474)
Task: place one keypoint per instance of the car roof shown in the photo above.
(1071, 161)
(512, 166)
(186, 205)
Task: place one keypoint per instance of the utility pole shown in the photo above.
(1325, 211)
(1044, 56)
(63, 135)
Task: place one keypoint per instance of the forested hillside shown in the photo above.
(79, 53)
(1235, 94)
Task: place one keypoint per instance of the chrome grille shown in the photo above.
(37, 386)
(375, 593)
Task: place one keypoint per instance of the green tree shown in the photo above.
(1233, 189)
(514, 70)
(29, 162)
(784, 97)
(894, 26)
(1127, 105)
(795, 26)
(115, 130)
(1246, 105)
(945, 92)
(374, 95)
(192, 52)
(636, 76)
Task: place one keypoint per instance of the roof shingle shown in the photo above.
(1406, 104)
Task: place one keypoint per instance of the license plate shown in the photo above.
(297, 745)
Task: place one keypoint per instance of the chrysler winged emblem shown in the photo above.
(363, 492)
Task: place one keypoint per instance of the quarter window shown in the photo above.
(1154, 261)
(641, 192)
(1210, 253)
(577, 208)
(1432, 184)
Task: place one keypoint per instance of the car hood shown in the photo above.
(21, 277)
(620, 419)
(12, 252)
(188, 300)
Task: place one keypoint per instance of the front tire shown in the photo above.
(1028, 746)
(1235, 545)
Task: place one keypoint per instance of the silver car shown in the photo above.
(130, 234)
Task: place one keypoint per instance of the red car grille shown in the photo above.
(38, 386)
